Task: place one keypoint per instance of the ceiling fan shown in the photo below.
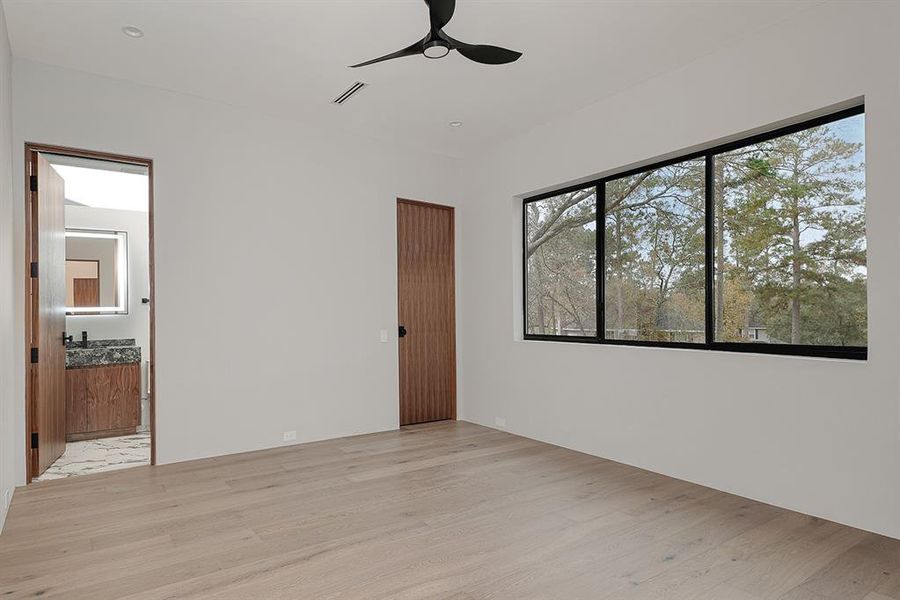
(437, 44)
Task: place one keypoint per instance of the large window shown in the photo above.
(757, 245)
(654, 267)
(561, 264)
(790, 237)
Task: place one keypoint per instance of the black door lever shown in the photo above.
(401, 331)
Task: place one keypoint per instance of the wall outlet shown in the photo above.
(289, 436)
(499, 422)
(7, 497)
(384, 336)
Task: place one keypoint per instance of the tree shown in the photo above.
(793, 212)
(555, 216)
(655, 250)
(789, 247)
(562, 265)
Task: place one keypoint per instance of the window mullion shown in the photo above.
(600, 212)
(709, 194)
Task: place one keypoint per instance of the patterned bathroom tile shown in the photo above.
(97, 456)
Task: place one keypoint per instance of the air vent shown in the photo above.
(351, 91)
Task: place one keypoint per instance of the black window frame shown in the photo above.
(708, 155)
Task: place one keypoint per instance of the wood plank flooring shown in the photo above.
(446, 510)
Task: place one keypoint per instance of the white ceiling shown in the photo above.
(288, 58)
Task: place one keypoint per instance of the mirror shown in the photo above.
(96, 272)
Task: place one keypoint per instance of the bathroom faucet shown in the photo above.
(84, 339)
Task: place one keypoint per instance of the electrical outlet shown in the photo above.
(7, 497)
(384, 336)
(289, 436)
(499, 422)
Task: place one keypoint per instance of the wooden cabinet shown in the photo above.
(102, 401)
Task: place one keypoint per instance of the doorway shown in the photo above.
(427, 311)
(89, 322)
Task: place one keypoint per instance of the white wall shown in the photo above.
(275, 259)
(816, 435)
(136, 324)
(8, 396)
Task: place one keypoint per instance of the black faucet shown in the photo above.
(84, 339)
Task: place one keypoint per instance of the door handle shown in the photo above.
(401, 331)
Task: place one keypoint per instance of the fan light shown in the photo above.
(437, 44)
(436, 49)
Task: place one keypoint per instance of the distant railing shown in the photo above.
(690, 336)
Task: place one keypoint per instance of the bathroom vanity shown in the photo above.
(103, 383)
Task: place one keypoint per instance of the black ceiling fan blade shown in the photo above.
(441, 12)
(487, 55)
(408, 51)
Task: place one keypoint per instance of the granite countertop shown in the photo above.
(76, 344)
(102, 352)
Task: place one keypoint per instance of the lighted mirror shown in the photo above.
(96, 272)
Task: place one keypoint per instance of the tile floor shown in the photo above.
(97, 456)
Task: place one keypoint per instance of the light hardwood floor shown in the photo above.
(448, 510)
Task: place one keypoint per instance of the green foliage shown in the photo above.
(794, 228)
(655, 254)
(790, 239)
(562, 265)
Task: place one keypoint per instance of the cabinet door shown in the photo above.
(104, 400)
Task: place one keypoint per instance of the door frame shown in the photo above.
(31, 149)
(452, 211)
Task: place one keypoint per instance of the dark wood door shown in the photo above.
(86, 292)
(48, 302)
(427, 312)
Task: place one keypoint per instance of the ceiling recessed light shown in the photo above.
(455, 123)
(132, 31)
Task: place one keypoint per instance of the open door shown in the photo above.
(47, 370)
(427, 313)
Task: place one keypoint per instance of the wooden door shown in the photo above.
(427, 312)
(86, 292)
(48, 305)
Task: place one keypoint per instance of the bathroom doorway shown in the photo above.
(89, 327)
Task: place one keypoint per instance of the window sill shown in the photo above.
(847, 353)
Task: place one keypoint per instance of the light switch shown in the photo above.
(384, 335)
